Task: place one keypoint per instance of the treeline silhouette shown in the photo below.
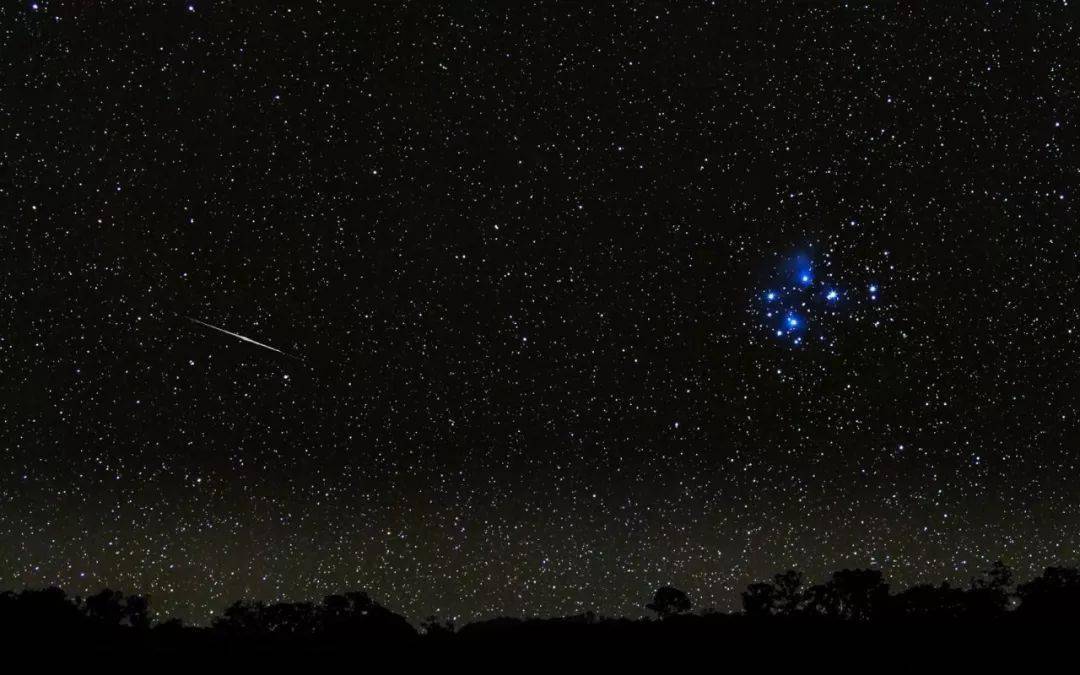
(859, 599)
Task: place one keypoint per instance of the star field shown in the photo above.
(523, 255)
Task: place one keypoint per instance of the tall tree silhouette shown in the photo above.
(789, 596)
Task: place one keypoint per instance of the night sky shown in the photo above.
(546, 305)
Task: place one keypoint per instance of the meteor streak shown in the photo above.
(244, 338)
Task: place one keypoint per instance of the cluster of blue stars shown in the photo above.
(790, 306)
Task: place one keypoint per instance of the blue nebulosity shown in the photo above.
(804, 271)
(798, 309)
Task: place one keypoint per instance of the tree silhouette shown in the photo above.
(46, 610)
(854, 595)
(930, 602)
(106, 607)
(112, 608)
(1054, 595)
(999, 576)
(781, 597)
(137, 611)
(989, 596)
(112, 620)
(668, 601)
(759, 599)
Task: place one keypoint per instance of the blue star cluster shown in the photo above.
(799, 308)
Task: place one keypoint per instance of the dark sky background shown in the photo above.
(522, 254)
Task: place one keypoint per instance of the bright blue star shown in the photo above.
(771, 295)
(873, 288)
(802, 270)
(792, 322)
(832, 295)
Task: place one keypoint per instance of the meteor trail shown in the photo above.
(237, 335)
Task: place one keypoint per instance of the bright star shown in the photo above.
(831, 295)
(802, 270)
